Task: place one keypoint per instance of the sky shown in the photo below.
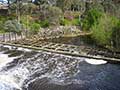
(5, 1)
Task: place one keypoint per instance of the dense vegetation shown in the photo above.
(102, 18)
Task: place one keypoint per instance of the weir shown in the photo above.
(72, 50)
(45, 42)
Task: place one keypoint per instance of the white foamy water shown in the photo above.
(56, 67)
(43, 64)
(8, 83)
(7, 46)
(4, 59)
(95, 62)
(24, 49)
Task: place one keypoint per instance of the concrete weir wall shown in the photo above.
(68, 50)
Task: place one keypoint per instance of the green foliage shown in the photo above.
(110, 7)
(3, 19)
(74, 22)
(116, 36)
(91, 18)
(64, 22)
(35, 27)
(55, 14)
(52, 14)
(12, 26)
(102, 31)
(44, 23)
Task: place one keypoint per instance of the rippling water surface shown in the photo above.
(23, 69)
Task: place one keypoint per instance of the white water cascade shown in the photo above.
(54, 66)
(16, 73)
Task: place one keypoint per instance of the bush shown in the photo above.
(55, 15)
(52, 14)
(12, 26)
(116, 36)
(74, 22)
(44, 23)
(2, 21)
(35, 27)
(28, 21)
(102, 31)
(91, 18)
(65, 22)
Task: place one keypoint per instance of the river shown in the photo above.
(24, 69)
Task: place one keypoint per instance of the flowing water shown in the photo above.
(24, 69)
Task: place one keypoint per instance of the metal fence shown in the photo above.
(7, 37)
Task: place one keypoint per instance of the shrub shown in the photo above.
(44, 23)
(2, 20)
(52, 14)
(55, 14)
(35, 28)
(91, 18)
(12, 26)
(116, 36)
(65, 22)
(74, 21)
(26, 21)
(102, 31)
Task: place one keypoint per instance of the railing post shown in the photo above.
(25, 33)
(3, 37)
(9, 36)
(21, 35)
(12, 37)
(15, 36)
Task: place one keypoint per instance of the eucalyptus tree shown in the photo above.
(64, 4)
(109, 6)
(19, 7)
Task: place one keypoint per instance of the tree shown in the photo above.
(92, 17)
(65, 4)
(109, 6)
(12, 26)
(51, 14)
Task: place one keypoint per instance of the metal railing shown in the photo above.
(10, 36)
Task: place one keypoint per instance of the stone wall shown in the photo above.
(58, 31)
